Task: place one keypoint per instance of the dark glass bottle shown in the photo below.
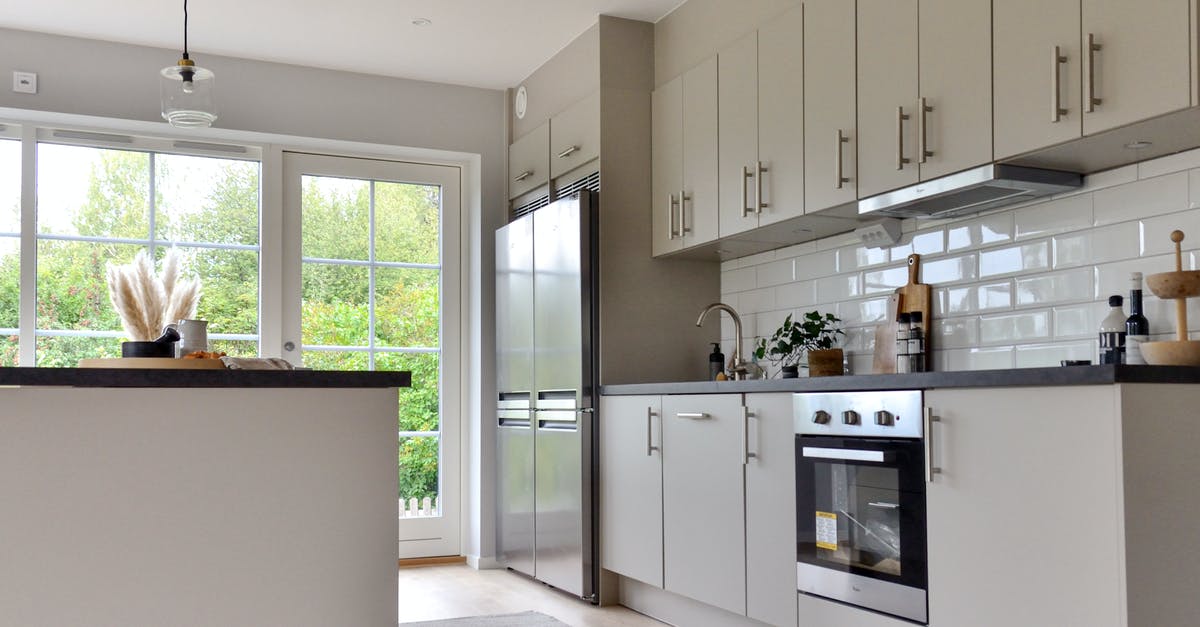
(1137, 327)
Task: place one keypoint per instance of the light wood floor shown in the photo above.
(434, 592)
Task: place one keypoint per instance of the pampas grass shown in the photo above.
(147, 302)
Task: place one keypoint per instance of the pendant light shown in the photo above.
(187, 90)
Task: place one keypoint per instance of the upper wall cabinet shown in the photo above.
(684, 158)
(575, 136)
(528, 161)
(760, 95)
(1051, 86)
(830, 133)
(924, 90)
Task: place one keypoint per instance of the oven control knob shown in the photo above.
(850, 417)
(885, 418)
(821, 417)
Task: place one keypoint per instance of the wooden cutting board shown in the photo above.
(913, 296)
(153, 362)
(885, 339)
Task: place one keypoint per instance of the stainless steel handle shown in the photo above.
(758, 187)
(692, 415)
(900, 118)
(746, 208)
(838, 177)
(1090, 100)
(746, 454)
(567, 152)
(683, 200)
(883, 505)
(671, 205)
(650, 448)
(522, 176)
(930, 468)
(1057, 59)
(923, 151)
(845, 454)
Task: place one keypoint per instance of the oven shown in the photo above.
(860, 500)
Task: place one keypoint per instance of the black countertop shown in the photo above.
(170, 378)
(1067, 375)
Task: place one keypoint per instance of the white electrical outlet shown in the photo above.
(25, 82)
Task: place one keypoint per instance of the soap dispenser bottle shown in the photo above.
(716, 362)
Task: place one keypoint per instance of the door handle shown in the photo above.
(692, 415)
(758, 187)
(745, 200)
(650, 448)
(522, 176)
(1057, 59)
(1090, 101)
(683, 200)
(746, 454)
(672, 204)
(923, 152)
(930, 468)
(900, 118)
(567, 152)
(838, 176)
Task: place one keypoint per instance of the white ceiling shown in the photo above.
(482, 43)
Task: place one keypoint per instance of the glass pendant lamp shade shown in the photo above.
(187, 95)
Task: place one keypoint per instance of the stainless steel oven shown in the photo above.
(860, 500)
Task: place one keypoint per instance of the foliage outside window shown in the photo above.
(10, 250)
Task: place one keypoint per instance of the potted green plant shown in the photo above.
(814, 335)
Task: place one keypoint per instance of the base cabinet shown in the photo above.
(770, 509)
(631, 487)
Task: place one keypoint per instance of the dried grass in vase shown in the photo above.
(147, 302)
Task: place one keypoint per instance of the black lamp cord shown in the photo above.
(185, 18)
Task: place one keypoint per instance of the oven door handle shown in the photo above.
(847, 454)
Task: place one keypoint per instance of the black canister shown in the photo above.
(716, 362)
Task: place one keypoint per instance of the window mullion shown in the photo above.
(371, 278)
(153, 206)
(28, 291)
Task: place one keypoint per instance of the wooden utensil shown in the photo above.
(885, 339)
(917, 296)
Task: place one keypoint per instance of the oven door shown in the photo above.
(860, 524)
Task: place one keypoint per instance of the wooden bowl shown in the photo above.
(1173, 353)
(1179, 284)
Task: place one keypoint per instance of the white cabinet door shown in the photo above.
(887, 95)
(955, 62)
(631, 516)
(1030, 84)
(830, 131)
(737, 127)
(529, 161)
(1142, 66)
(771, 510)
(666, 150)
(1024, 520)
(699, 202)
(781, 117)
(703, 502)
(575, 136)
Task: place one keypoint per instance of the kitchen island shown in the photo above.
(1054, 496)
(198, 497)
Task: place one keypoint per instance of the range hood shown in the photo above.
(971, 191)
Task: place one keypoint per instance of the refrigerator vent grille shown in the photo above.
(589, 182)
(528, 207)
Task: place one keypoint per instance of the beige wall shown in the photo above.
(699, 28)
(566, 78)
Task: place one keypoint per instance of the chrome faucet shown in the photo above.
(737, 366)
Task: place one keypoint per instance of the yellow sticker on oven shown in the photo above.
(827, 533)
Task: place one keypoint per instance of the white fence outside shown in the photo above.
(424, 509)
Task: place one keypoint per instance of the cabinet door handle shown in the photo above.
(758, 187)
(522, 176)
(692, 415)
(650, 448)
(746, 454)
(567, 152)
(931, 469)
(745, 200)
(1057, 59)
(671, 205)
(683, 200)
(838, 177)
(900, 118)
(1090, 101)
(923, 151)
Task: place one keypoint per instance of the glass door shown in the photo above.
(371, 282)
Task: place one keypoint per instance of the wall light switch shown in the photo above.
(25, 82)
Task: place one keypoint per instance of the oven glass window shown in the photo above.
(857, 517)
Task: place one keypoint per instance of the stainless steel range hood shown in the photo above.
(972, 191)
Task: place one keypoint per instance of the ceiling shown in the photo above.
(481, 43)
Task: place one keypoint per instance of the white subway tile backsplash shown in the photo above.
(1045, 355)
(1194, 189)
(818, 264)
(756, 300)
(995, 296)
(1024, 258)
(1072, 249)
(860, 312)
(877, 281)
(990, 229)
(949, 270)
(953, 300)
(929, 242)
(739, 280)
(838, 288)
(1141, 199)
(796, 295)
(1156, 233)
(1073, 321)
(1056, 216)
(1177, 162)
(776, 273)
(992, 358)
(854, 257)
(1010, 328)
(1060, 287)
(955, 333)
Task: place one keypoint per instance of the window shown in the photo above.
(10, 250)
(99, 206)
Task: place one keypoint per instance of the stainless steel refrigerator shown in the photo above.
(546, 382)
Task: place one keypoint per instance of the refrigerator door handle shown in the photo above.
(558, 425)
